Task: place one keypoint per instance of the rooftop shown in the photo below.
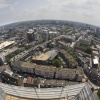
(78, 91)
(5, 44)
(86, 41)
(70, 71)
(65, 71)
(45, 56)
(95, 61)
(30, 80)
(8, 51)
(24, 64)
(45, 68)
(69, 57)
(41, 57)
(10, 73)
(3, 67)
(30, 31)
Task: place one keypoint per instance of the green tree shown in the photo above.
(98, 93)
(88, 50)
(57, 63)
(8, 61)
(12, 55)
(72, 54)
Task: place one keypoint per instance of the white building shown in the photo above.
(6, 44)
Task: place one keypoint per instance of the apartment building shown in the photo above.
(45, 71)
(68, 59)
(21, 66)
(9, 77)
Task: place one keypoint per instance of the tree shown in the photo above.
(98, 93)
(8, 61)
(57, 63)
(92, 89)
(88, 50)
(72, 54)
(12, 55)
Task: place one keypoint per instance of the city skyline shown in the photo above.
(74, 10)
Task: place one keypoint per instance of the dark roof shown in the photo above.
(23, 64)
(94, 71)
(58, 83)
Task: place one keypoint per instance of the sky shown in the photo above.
(86, 11)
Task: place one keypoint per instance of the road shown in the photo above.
(26, 52)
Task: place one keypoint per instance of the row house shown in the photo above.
(70, 61)
(65, 73)
(45, 71)
(21, 66)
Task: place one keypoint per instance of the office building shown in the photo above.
(30, 35)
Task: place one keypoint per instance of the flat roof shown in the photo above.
(80, 71)
(69, 57)
(70, 71)
(65, 71)
(98, 46)
(45, 56)
(95, 52)
(95, 61)
(45, 68)
(8, 51)
(30, 31)
(3, 67)
(41, 57)
(24, 64)
(5, 44)
(9, 72)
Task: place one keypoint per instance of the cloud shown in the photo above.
(3, 4)
(75, 10)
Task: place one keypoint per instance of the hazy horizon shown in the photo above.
(85, 11)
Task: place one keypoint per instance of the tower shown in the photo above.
(30, 35)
